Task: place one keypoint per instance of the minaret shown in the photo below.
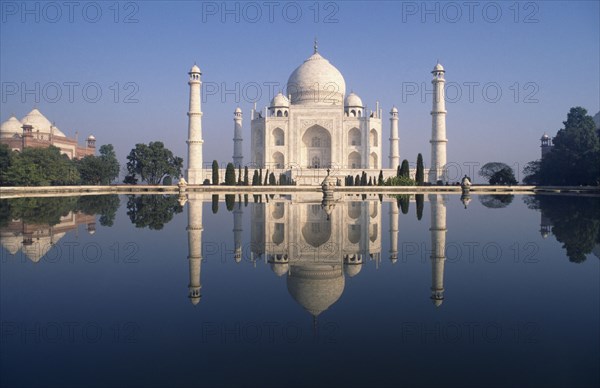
(237, 232)
(438, 247)
(238, 158)
(194, 230)
(546, 144)
(394, 141)
(194, 171)
(393, 231)
(438, 127)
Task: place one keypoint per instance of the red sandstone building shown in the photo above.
(35, 130)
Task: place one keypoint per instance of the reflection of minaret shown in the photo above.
(393, 231)
(237, 232)
(438, 247)
(195, 245)
(545, 225)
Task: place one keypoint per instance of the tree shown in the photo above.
(399, 181)
(246, 176)
(40, 167)
(357, 180)
(489, 169)
(99, 170)
(239, 175)
(153, 162)
(260, 177)
(266, 182)
(420, 174)
(575, 157)
(255, 178)
(104, 205)
(503, 177)
(380, 180)
(230, 174)
(398, 173)
(531, 172)
(5, 162)
(272, 180)
(215, 172)
(405, 169)
(363, 179)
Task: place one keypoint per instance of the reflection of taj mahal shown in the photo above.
(316, 125)
(317, 245)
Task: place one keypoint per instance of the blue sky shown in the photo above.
(543, 57)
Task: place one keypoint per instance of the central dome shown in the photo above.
(316, 81)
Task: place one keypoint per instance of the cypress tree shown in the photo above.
(380, 182)
(230, 174)
(419, 177)
(357, 180)
(405, 169)
(215, 172)
(245, 175)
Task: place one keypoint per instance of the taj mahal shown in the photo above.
(315, 126)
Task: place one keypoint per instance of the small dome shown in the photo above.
(353, 100)
(316, 81)
(438, 67)
(40, 123)
(195, 69)
(10, 128)
(91, 137)
(238, 110)
(545, 137)
(280, 101)
(394, 110)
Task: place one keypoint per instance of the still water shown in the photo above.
(285, 290)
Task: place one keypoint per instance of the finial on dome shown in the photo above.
(316, 46)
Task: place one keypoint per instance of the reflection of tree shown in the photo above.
(104, 205)
(230, 201)
(496, 201)
(403, 201)
(49, 210)
(41, 211)
(152, 211)
(420, 199)
(575, 220)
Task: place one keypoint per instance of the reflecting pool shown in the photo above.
(292, 290)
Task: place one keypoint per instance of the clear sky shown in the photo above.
(542, 57)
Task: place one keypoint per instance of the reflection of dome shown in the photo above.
(316, 81)
(317, 287)
(10, 128)
(40, 123)
(280, 101)
(195, 300)
(353, 100)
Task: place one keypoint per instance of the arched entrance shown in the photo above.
(316, 144)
